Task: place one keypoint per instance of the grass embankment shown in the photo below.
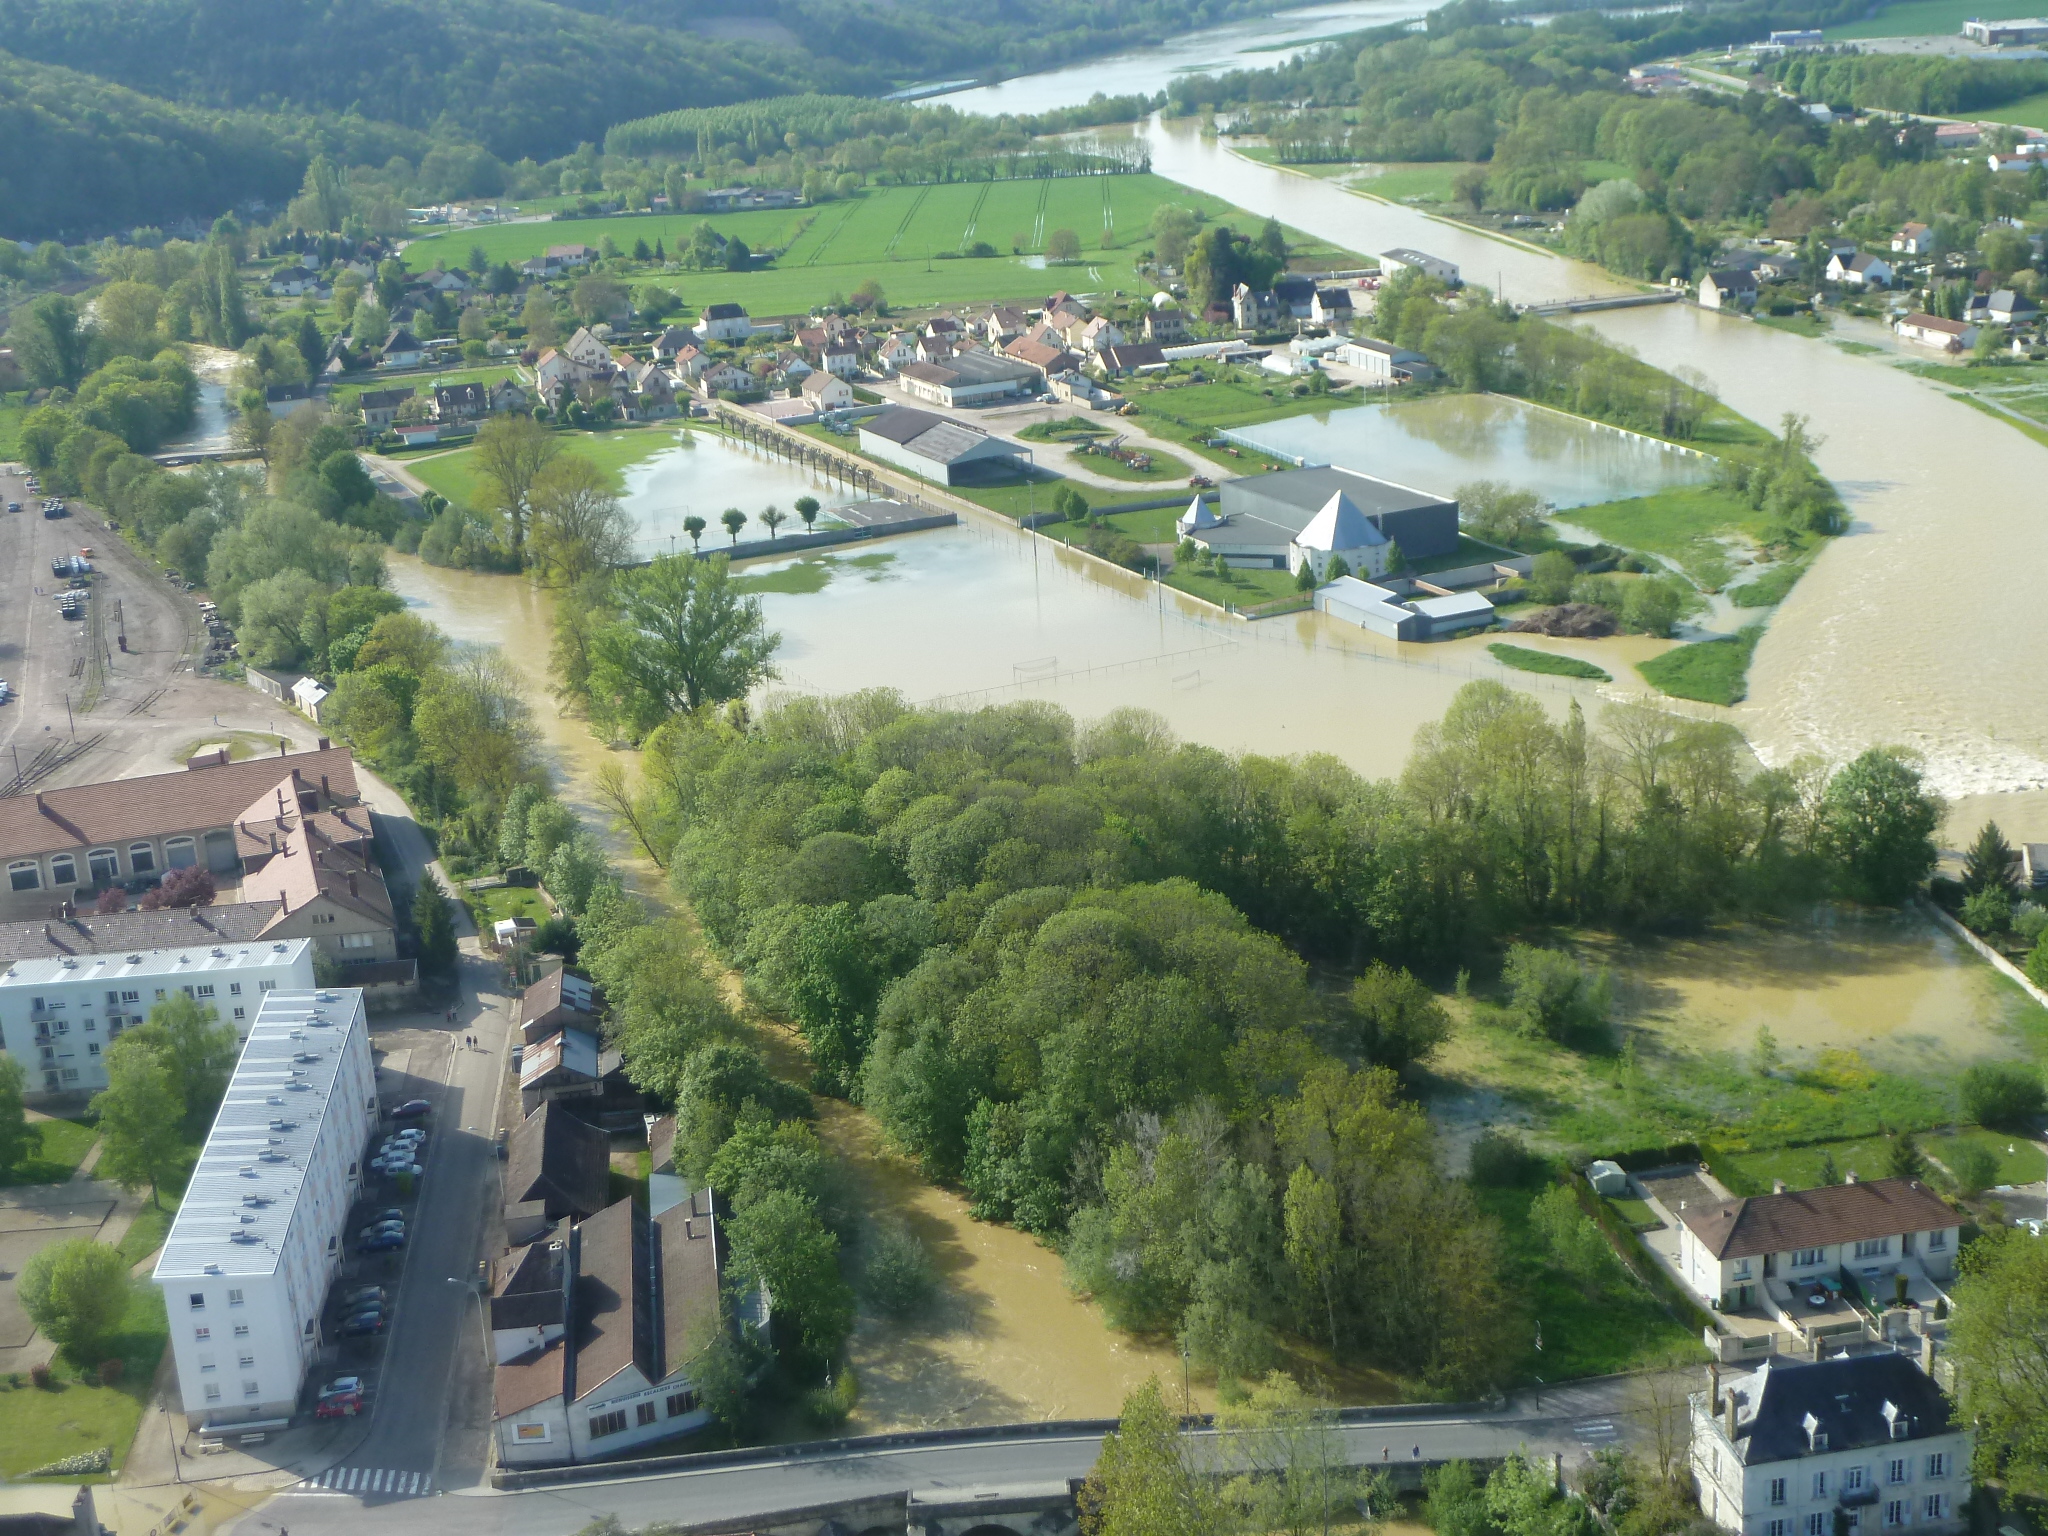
(1709, 671)
(1691, 526)
(1237, 589)
(911, 240)
(75, 1414)
(1526, 660)
(1806, 324)
(57, 1148)
(1770, 588)
(13, 411)
(454, 473)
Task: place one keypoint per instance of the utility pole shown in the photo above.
(70, 723)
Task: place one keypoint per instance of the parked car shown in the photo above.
(389, 1213)
(362, 1296)
(411, 1109)
(14, 506)
(410, 1133)
(382, 1229)
(394, 1170)
(363, 1323)
(383, 1242)
(342, 1386)
(344, 1405)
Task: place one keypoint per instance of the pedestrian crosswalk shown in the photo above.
(369, 1482)
(1597, 1432)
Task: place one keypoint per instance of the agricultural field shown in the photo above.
(2027, 112)
(453, 472)
(908, 239)
(1927, 18)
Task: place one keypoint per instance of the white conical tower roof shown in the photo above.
(1339, 525)
(1197, 517)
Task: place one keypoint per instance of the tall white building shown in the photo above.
(58, 1016)
(259, 1238)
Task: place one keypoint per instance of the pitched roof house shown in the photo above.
(559, 1161)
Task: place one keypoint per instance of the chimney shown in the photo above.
(1731, 1418)
(1850, 1177)
(324, 745)
(351, 883)
(284, 902)
(1713, 1386)
(1777, 1186)
(325, 792)
(1927, 1353)
(280, 747)
(273, 842)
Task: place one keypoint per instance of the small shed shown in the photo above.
(1607, 1178)
(508, 931)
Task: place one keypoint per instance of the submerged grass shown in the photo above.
(1526, 660)
(1709, 671)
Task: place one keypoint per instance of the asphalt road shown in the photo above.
(1573, 1420)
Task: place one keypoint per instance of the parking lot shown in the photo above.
(69, 718)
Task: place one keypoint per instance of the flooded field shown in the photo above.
(1440, 443)
(702, 475)
(1895, 987)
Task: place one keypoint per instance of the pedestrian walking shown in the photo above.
(1418, 1453)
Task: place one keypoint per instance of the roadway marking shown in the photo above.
(367, 1480)
(1597, 1432)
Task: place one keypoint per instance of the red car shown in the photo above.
(343, 1405)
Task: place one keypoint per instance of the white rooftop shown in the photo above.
(245, 1189)
(1338, 526)
(140, 964)
(1198, 515)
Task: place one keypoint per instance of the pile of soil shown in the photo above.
(1567, 621)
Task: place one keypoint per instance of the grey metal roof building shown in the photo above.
(258, 1239)
(930, 445)
(1263, 513)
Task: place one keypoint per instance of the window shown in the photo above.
(234, 989)
(23, 876)
(131, 997)
(1895, 1470)
(105, 865)
(265, 986)
(248, 1362)
(358, 941)
(202, 1334)
(141, 858)
(1775, 1528)
(250, 1388)
(88, 1023)
(234, 1298)
(1895, 1512)
(179, 853)
(1873, 1248)
(199, 1301)
(1817, 1524)
(206, 990)
(71, 1074)
(63, 870)
(241, 1330)
(113, 999)
(602, 1424)
(1777, 1490)
(680, 1403)
(1820, 1485)
(1742, 1269)
(92, 1048)
(1852, 1479)
(1937, 1464)
(1934, 1507)
(643, 1413)
(213, 1391)
(241, 1013)
(1808, 1256)
(1937, 1241)
(206, 1362)
(159, 994)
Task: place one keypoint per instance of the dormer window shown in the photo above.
(1816, 1437)
(1900, 1424)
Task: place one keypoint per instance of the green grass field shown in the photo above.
(1164, 467)
(1770, 588)
(503, 901)
(59, 1147)
(1928, 18)
(895, 235)
(2027, 112)
(1241, 589)
(1523, 659)
(1711, 671)
(454, 475)
(1685, 525)
(72, 1415)
(13, 408)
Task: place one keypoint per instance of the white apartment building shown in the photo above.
(58, 1016)
(1784, 1449)
(259, 1238)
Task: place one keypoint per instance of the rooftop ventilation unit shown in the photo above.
(135, 960)
(218, 953)
(284, 1125)
(304, 1056)
(213, 1269)
(256, 1201)
(68, 963)
(245, 1238)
